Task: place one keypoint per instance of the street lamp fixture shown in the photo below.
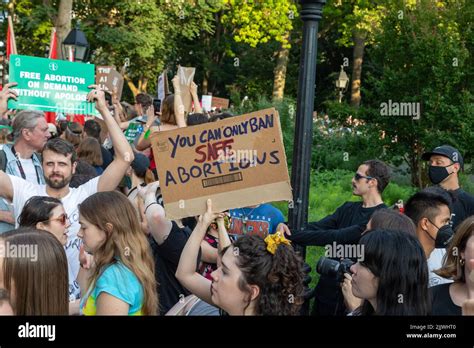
(342, 83)
(75, 46)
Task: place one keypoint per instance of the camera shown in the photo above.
(334, 268)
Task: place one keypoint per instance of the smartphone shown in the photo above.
(157, 105)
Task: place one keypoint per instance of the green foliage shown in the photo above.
(258, 22)
(286, 109)
(423, 57)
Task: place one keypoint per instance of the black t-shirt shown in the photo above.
(343, 227)
(166, 262)
(463, 206)
(106, 157)
(441, 302)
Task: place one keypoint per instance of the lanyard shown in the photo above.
(20, 167)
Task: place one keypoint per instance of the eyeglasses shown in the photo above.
(63, 218)
(357, 177)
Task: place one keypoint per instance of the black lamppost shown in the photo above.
(76, 44)
(311, 13)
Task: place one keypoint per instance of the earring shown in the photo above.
(461, 262)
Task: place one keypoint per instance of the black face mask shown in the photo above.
(438, 174)
(444, 236)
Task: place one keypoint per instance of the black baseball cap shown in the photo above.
(446, 151)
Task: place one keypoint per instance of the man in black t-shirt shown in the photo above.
(445, 162)
(345, 227)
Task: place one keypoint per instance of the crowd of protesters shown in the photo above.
(87, 201)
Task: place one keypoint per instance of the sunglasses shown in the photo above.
(357, 177)
(63, 218)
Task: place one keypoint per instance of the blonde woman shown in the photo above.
(121, 281)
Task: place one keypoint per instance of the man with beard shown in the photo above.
(59, 164)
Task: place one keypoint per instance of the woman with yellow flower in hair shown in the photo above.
(255, 276)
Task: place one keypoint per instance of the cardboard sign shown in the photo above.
(186, 76)
(108, 78)
(237, 162)
(220, 103)
(51, 85)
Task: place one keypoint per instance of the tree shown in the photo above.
(270, 20)
(358, 21)
(423, 56)
(144, 32)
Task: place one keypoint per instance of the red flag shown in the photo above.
(11, 43)
(53, 45)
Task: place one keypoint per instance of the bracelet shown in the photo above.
(148, 206)
(147, 134)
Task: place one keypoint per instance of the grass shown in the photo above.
(328, 191)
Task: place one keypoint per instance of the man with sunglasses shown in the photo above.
(345, 227)
(445, 162)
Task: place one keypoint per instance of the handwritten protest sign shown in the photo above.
(109, 79)
(51, 85)
(186, 77)
(237, 162)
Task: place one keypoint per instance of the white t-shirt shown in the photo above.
(24, 190)
(435, 262)
(29, 169)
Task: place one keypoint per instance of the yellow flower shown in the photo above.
(274, 240)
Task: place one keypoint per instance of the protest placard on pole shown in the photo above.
(51, 85)
(109, 79)
(186, 76)
(237, 162)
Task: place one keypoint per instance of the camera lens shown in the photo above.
(327, 267)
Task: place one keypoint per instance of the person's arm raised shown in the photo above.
(124, 156)
(142, 143)
(159, 225)
(224, 240)
(186, 272)
(5, 94)
(197, 105)
(6, 187)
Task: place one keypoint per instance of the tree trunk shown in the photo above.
(279, 74)
(63, 24)
(358, 56)
(205, 82)
(416, 179)
(131, 85)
